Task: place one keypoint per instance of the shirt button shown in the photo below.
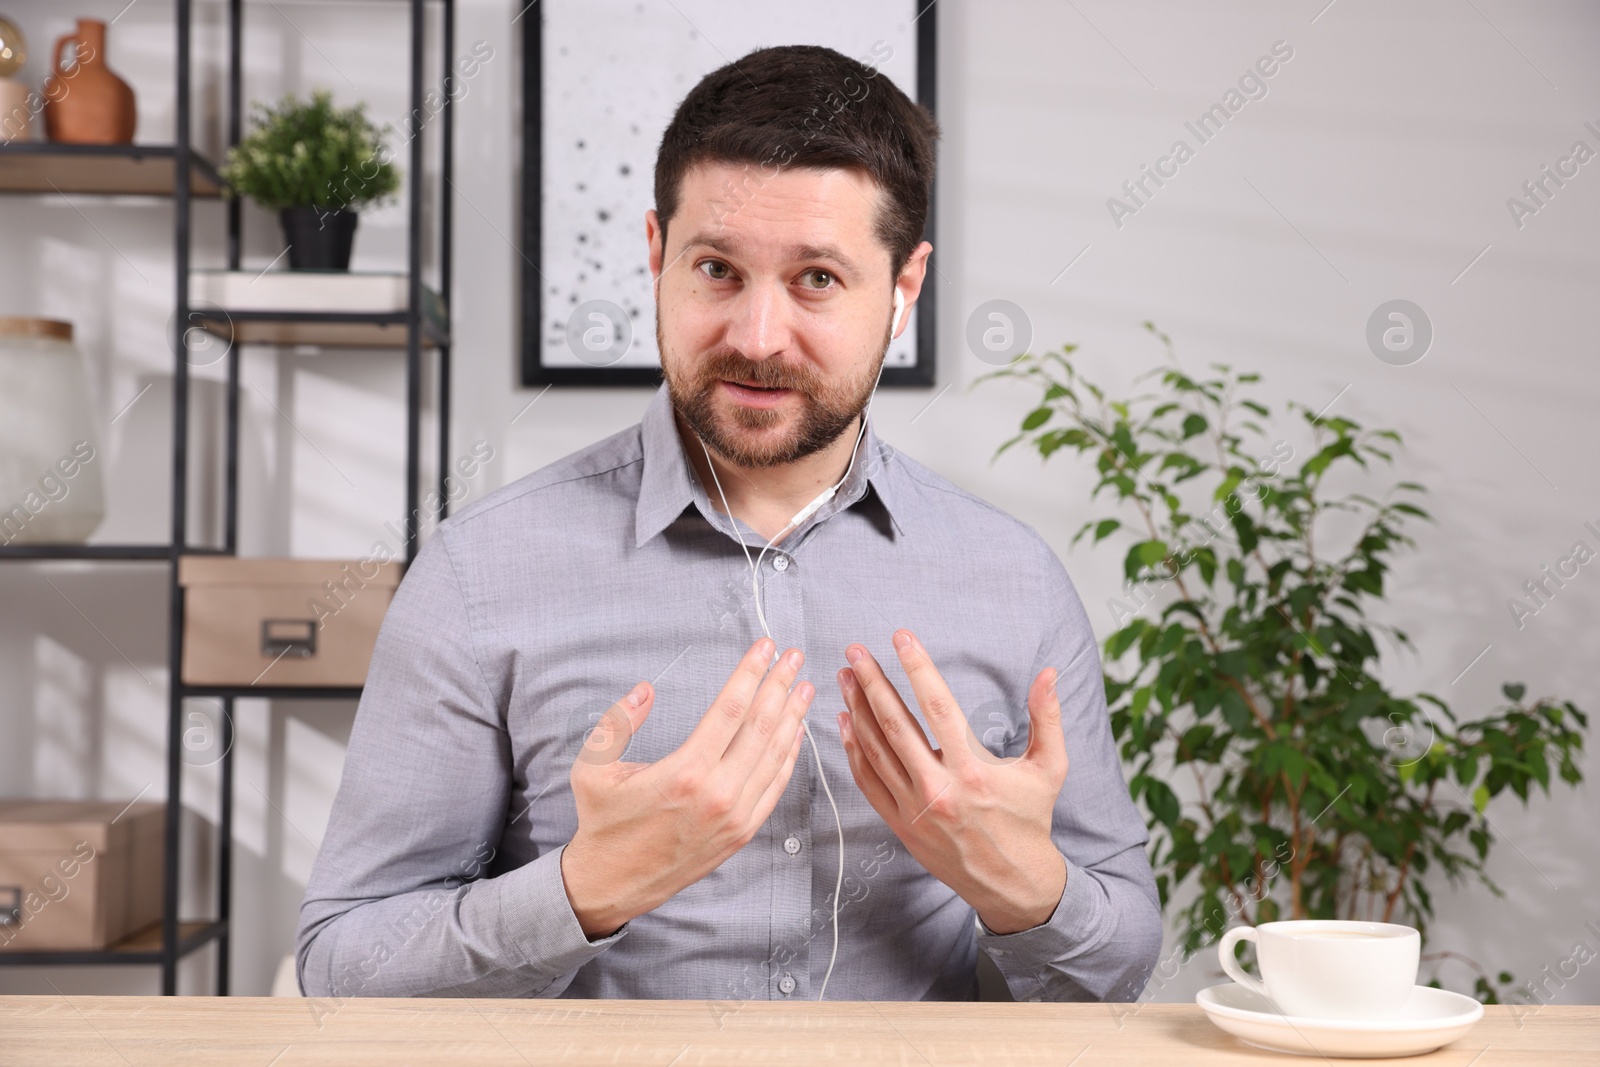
(786, 985)
(792, 845)
(780, 563)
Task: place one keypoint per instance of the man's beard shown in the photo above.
(826, 411)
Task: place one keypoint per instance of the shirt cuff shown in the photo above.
(1079, 923)
(529, 910)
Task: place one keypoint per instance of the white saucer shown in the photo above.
(1430, 1019)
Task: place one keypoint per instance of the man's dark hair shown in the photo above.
(805, 106)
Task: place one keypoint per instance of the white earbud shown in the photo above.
(899, 306)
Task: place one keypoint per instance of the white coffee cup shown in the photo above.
(1329, 968)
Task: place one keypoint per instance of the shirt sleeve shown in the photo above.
(1103, 939)
(400, 902)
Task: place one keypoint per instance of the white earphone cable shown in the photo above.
(816, 754)
(755, 585)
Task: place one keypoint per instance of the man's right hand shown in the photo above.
(649, 830)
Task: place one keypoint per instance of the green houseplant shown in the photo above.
(314, 164)
(1246, 661)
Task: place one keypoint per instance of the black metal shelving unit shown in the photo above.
(180, 172)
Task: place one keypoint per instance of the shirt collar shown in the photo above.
(669, 485)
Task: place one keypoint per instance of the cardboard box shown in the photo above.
(78, 874)
(283, 622)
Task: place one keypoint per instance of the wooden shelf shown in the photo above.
(135, 553)
(149, 939)
(333, 329)
(102, 170)
(274, 692)
(82, 552)
(141, 947)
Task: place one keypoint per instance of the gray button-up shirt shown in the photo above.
(535, 609)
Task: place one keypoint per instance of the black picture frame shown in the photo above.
(533, 370)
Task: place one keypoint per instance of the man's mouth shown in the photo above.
(755, 385)
(752, 391)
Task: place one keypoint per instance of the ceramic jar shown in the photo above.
(50, 485)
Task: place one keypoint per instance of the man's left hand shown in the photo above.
(978, 823)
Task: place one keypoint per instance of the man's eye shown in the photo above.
(714, 265)
(819, 273)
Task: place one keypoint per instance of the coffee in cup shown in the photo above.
(1329, 968)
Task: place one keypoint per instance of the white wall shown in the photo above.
(1377, 166)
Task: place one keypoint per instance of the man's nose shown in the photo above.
(760, 325)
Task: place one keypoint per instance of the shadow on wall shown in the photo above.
(285, 783)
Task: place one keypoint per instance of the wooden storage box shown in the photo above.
(282, 622)
(78, 874)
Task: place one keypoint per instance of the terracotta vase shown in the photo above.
(87, 104)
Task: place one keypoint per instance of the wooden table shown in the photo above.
(86, 1031)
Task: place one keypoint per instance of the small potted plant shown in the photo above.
(314, 164)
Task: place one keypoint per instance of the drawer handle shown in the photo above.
(288, 637)
(10, 905)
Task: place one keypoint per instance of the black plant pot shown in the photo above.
(318, 238)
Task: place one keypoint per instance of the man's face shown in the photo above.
(775, 281)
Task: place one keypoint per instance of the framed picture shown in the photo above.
(601, 80)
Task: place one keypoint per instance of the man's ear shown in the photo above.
(916, 268)
(913, 274)
(656, 237)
